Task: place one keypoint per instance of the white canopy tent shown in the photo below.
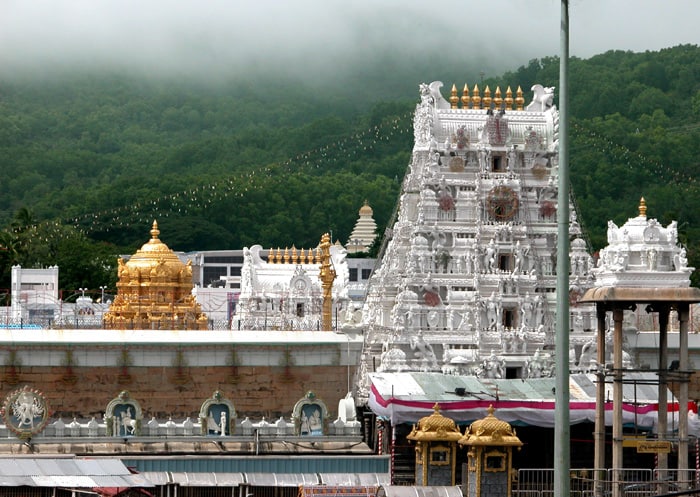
(408, 397)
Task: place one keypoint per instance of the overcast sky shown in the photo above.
(201, 34)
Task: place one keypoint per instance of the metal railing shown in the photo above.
(638, 482)
(86, 322)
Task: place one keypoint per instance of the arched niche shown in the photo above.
(310, 416)
(214, 410)
(123, 416)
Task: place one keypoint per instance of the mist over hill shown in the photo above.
(89, 158)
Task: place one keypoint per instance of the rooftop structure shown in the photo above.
(364, 233)
(643, 254)
(154, 291)
(290, 288)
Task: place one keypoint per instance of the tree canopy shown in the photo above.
(88, 161)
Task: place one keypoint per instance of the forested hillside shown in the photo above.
(89, 160)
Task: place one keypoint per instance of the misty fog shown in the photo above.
(315, 39)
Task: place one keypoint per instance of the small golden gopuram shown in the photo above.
(154, 291)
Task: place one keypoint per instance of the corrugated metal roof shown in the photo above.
(344, 464)
(281, 479)
(336, 491)
(639, 386)
(76, 481)
(355, 479)
(412, 491)
(186, 479)
(157, 477)
(67, 472)
(207, 479)
(16, 481)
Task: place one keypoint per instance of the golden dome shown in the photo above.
(154, 291)
(435, 427)
(490, 431)
(154, 253)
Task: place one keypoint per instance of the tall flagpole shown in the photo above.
(562, 456)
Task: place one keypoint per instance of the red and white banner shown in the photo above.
(408, 397)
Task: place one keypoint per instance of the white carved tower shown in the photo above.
(467, 279)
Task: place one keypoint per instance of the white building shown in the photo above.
(467, 283)
(217, 278)
(284, 291)
(34, 294)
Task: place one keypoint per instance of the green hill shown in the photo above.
(89, 160)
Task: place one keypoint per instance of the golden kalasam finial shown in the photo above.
(509, 99)
(519, 99)
(465, 97)
(454, 99)
(302, 257)
(327, 276)
(286, 255)
(476, 99)
(486, 101)
(278, 258)
(155, 231)
(295, 260)
(643, 207)
(497, 99)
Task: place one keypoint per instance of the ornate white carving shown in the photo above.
(542, 100)
(468, 281)
(493, 367)
(539, 365)
(641, 253)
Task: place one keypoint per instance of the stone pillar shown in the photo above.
(663, 387)
(660, 300)
(599, 434)
(617, 462)
(683, 474)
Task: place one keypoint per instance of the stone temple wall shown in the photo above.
(260, 380)
(165, 391)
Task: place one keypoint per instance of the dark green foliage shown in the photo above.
(89, 161)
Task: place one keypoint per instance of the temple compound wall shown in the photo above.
(171, 379)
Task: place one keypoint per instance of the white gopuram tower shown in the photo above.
(364, 233)
(466, 283)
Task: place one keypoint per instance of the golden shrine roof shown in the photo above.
(154, 291)
(435, 427)
(153, 252)
(490, 431)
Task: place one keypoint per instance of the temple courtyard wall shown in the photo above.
(173, 379)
